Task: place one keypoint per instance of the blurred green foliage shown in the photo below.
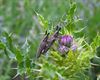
(22, 26)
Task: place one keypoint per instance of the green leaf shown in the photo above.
(19, 55)
(28, 62)
(9, 53)
(98, 51)
(43, 22)
(2, 46)
(7, 40)
(21, 68)
(80, 30)
(56, 55)
(26, 47)
(72, 10)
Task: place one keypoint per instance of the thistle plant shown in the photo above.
(60, 55)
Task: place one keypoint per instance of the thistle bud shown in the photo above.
(63, 49)
(74, 47)
(66, 40)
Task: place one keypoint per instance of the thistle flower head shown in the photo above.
(63, 49)
(66, 40)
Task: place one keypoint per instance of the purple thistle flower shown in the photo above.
(66, 40)
(74, 47)
(63, 49)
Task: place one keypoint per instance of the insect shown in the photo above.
(43, 45)
(47, 42)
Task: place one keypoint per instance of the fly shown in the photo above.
(47, 42)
